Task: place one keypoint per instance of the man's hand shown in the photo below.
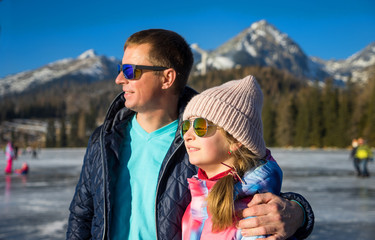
(274, 216)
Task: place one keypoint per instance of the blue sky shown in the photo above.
(36, 32)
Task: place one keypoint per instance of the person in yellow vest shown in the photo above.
(363, 154)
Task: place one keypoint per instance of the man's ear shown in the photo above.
(169, 78)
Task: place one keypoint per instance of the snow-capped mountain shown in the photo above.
(355, 67)
(264, 45)
(86, 67)
(261, 44)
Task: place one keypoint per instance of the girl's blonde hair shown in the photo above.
(220, 200)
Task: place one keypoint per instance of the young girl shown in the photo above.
(223, 135)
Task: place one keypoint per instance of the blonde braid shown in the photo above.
(220, 200)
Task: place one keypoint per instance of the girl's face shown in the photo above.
(209, 151)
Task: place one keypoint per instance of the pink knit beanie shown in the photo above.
(236, 106)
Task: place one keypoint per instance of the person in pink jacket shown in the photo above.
(9, 154)
(223, 135)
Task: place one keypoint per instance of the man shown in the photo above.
(133, 181)
(362, 156)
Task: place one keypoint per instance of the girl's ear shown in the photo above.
(235, 146)
(169, 78)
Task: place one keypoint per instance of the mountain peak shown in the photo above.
(261, 23)
(87, 54)
(264, 45)
(265, 29)
(88, 67)
(366, 56)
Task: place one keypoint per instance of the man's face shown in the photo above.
(141, 95)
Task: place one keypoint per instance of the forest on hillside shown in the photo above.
(295, 112)
(298, 113)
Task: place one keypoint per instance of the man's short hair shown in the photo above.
(168, 49)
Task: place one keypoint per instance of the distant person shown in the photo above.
(23, 170)
(364, 155)
(353, 158)
(29, 150)
(133, 180)
(223, 135)
(34, 153)
(15, 152)
(10, 156)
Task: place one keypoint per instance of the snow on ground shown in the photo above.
(36, 206)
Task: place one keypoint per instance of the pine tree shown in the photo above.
(370, 123)
(63, 136)
(73, 135)
(315, 109)
(81, 126)
(51, 134)
(343, 120)
(352, 93)
(285, 121)
(268, 116)
(303, 126)
(330, 115)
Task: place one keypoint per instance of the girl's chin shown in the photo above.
(196, 163)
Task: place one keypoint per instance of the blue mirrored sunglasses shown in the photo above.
(134, 72)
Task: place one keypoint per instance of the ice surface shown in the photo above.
(343, 204)
(36, 206)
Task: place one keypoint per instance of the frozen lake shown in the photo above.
(36, 206)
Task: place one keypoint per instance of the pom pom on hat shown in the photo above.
(236, 106)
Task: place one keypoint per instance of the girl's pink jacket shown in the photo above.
(196, 222)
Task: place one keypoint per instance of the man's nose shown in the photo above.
(120, 79)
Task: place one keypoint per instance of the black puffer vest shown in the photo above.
(90, 208)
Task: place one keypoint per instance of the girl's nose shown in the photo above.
(189, 135)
